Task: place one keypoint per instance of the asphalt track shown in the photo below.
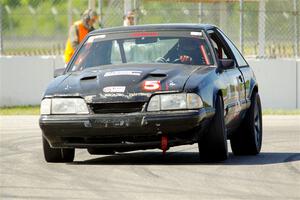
(273, 174)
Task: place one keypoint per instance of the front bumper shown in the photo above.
(117, 130)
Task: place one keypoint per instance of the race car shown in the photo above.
(153, 86)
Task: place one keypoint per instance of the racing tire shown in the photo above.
(100, 151)
(247, 140)
(213, 144)
(57, 155)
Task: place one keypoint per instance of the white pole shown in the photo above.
(200, 13)
(242, 26)
(261, 28)
(92, 4)
(296, 28)
(223, 16)
(70, 13)
(1, 32)
(100, 5)
(127, 6)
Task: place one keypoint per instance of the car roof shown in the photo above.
(154, 27)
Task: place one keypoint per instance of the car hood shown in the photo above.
(123, 83)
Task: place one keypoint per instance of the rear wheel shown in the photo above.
(213, 144)
(57, 154)
(248, 139)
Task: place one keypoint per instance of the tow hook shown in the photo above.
(164, 143)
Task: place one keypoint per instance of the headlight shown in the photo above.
(154, 104)
(193, 101)
(179, 101)
(64, 106)
(45, 107)
(173, 101)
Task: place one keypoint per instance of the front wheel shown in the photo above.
(248, 138)
(213, 144)
(57, 154)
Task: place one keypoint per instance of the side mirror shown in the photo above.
(227, 64)
(59, 72)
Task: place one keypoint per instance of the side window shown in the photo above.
(239, 58)
(221, 51)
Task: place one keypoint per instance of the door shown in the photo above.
(243, 66)
(235, 81)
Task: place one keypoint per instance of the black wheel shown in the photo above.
(213, 144)
(57, 154)
(100, 151)
(248, 139)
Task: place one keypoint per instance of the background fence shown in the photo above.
(261, 28)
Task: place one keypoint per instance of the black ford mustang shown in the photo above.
(153, 86)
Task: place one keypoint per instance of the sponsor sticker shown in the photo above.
(144, 34)
(123, 73)
(171, 84)
(152, 85)
(92, 38)
(196, 33)
(114, 89)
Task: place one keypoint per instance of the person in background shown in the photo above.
(128, 19)
(78, 31)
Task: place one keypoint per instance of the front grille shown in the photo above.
(101, 108)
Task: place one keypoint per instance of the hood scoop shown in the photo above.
(157, 75)
(88, 78)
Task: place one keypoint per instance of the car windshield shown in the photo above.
(143, 47)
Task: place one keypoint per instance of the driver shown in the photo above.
(187, 50)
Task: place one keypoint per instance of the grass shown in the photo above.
(281, 112)
(20, 110)
(35, 110)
